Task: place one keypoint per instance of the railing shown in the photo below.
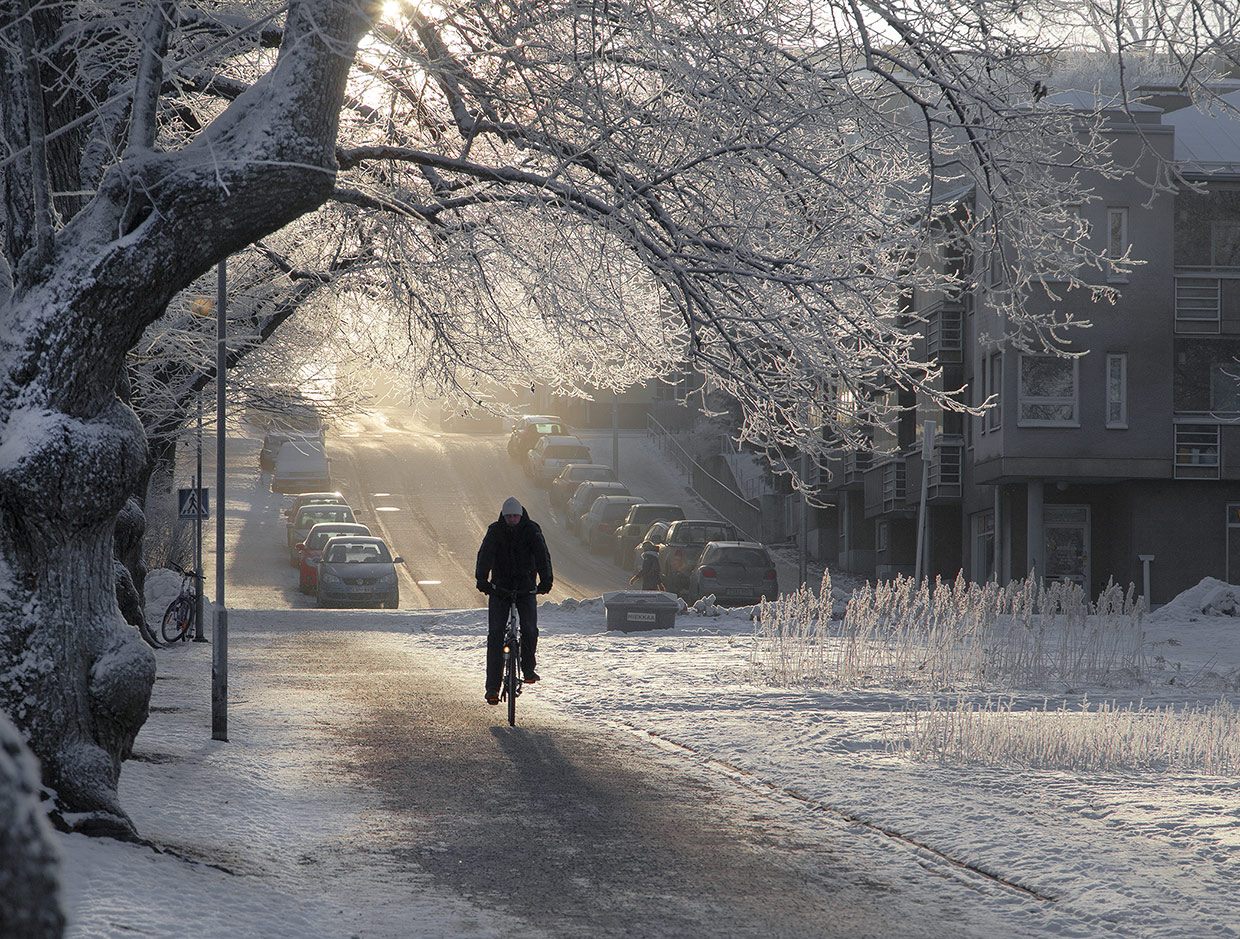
(945, 332)
(854, 465)
(946, 471)
(1198, 304)
(1197, 451)
(894, 486)
(729, 503)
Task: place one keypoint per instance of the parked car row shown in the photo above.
(337, 557)
(697, 557)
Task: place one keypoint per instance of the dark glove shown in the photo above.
(484, 587)
(544, 587)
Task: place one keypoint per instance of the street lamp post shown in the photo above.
(219, 656)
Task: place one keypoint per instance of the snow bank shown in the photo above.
(1211, 597)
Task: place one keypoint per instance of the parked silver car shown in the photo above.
(307, 517)
(739, 572)
(598, 526)
(583, 497)
(357, 571)
(573, 475)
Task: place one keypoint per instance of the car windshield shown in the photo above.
(747, 557)
(311, 517)
(357, 552)
(703, 533)
(550, 430)
(616, 510)
(565, 453)
(319, 538)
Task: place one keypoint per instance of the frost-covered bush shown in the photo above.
(1103, 738)
(950, 636)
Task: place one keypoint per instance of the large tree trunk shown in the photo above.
(73, 676)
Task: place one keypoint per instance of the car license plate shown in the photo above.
(641, 617)
(737, 592)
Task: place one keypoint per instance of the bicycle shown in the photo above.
(181, 612)
(513, 679)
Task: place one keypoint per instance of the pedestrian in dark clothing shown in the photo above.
(513, 557)
(648, 573)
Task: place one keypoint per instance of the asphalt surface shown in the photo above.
(572, 829)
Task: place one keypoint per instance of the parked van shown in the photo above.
(301, 466)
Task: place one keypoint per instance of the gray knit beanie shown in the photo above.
(511, 507)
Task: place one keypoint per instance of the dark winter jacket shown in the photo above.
(514, 557)
(649, 572)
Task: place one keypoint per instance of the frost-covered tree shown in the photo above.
(80, 288)
(572, 191)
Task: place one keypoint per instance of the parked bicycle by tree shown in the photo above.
(182, 612)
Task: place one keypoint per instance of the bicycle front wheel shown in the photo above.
(510, 677)
(177, 619)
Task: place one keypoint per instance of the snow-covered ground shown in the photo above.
(1151, 854)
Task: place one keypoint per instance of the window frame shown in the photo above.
(1120, 399)
(1022, 399)
(1117, 250)
(993, 387)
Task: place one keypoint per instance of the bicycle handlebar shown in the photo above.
(183, 572)
(512, 594)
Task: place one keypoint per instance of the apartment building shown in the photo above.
(1120, 463)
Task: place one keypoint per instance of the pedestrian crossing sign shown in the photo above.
(194, 503)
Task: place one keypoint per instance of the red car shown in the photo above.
(310, 549)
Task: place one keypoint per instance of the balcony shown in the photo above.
(945, 332)
(895, 487)
(1197, 451)
(1198, 304)
(853, 468)
(946, 470)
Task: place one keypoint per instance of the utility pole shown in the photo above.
(219, 656)
(927, 454)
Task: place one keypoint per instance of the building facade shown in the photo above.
(1119, 463)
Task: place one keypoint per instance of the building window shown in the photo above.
(1225, 243)
(994, 391)
(1117, 390)
(1047, 394)
(1225, 387)
(880, 536)
(1117, 241)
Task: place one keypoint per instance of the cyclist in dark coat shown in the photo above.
(513, 556)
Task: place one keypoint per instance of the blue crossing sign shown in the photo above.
(194, 503)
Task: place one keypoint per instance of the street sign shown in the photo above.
(194, 503)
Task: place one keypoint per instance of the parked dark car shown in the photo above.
(685, 541)
(583, 497)
(634, 526)
(528, 428)
(357, 571)
(598, 525)
(740, 572)
(573, 475)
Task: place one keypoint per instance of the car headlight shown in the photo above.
(388, 579)
(329, 578)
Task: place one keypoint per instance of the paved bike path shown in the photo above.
(578, 830)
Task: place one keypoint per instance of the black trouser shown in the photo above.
(497, 625)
